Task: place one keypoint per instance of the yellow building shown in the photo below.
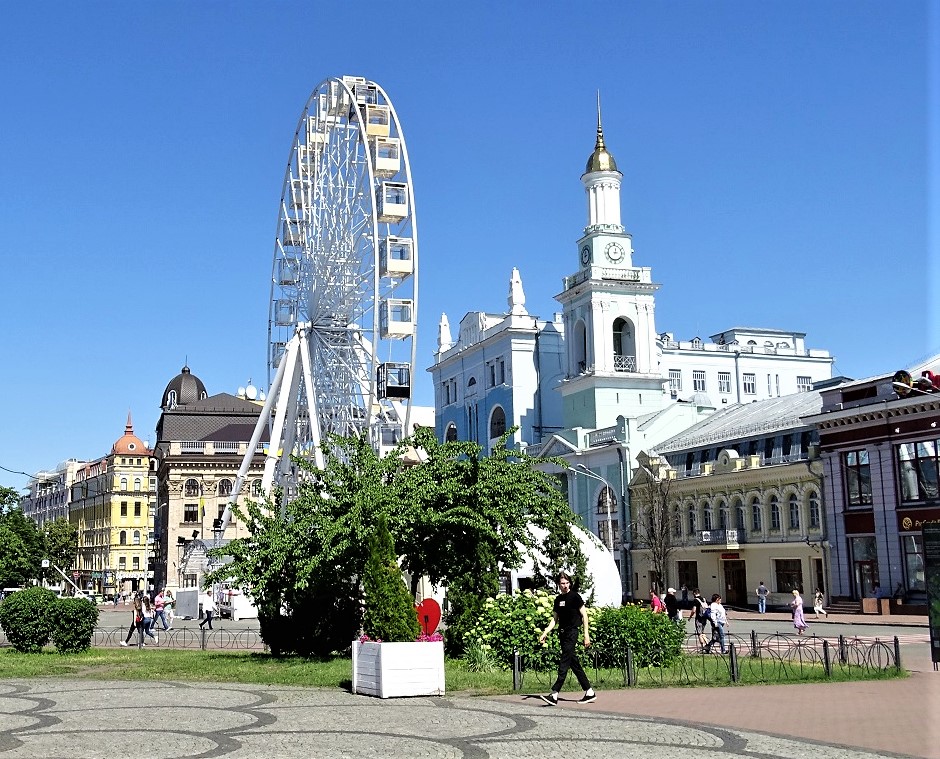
(112, 504)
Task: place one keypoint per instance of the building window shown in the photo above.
(123, 508)
(135, 562)
(191, 512)
(136, 508)
(136, 537)
(677, 523)
(137, 484)
(123, 484)
(804, 384)
(698, 381)
(741, 518)
(451, 435)
(757, 521)
(724, 382)
(914, 561)
(256, 488)
(707, 518)
(857, 477)
(496, 372)
(191, 489)
(750, 383)
(774, 514)
(497, 422)
(794, 513)
(692, 524)
(687, 572)
(225, 488)
(122, 537)
(722, 516)
(675, 380)
(814, 516)
(613, 534)
(918, 467)
(788, 574)
(122, 562)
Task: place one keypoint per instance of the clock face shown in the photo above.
(614, 252)
(585, 255)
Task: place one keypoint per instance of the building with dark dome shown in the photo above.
(201, 442)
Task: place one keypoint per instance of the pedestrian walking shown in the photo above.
(818, 601)
(672, 605)
(719, 621)
(136, 620)
(159, 610)
(148, 619)
(209, 609)
(699, 606)
(762, 594)
(569, 613)
(169, 607)
(656, 603)
(796, 605)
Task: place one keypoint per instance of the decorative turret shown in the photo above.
(601, 180)
(444, 340)
(516, 299)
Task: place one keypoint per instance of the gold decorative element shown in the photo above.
(600, 159)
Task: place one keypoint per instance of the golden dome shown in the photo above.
(600, 159)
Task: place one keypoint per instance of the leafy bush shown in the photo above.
(390, 612)
(73, 624)
(655, 640)
(513, 623)
(479, 659)
(27, 618)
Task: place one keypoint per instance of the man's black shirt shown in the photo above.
(568, 610)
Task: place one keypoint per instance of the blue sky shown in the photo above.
(776, 161)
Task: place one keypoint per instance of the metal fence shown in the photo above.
(222, 639)
(756, 658)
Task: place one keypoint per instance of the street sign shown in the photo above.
(45, 563)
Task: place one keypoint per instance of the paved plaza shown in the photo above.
(79, 719)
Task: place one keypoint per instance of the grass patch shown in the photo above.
(190, 665)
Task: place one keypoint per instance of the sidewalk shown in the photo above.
(898, 620)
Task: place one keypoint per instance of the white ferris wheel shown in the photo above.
(344, 282)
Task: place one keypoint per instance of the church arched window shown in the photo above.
(497, 422)
(624, 346)
(451, 435)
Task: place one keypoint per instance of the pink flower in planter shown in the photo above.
(432, 638)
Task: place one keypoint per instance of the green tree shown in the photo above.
(389, 607)
(60, 539)
(21, 544)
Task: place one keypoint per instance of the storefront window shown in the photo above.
(789, 575)
(918, 468)
(914, 562)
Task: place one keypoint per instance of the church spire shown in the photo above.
(601, 159)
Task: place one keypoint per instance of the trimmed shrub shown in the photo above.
(655, 640)
(73, 624)
(513, 623)
(27, 617)
(390, 612)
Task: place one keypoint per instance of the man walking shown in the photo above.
(762, 594)
(719, 620)
(672, 606)
(569, 613)
(209, 609)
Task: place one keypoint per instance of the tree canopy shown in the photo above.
(21, 543)
(456, 513)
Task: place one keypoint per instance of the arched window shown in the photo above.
(676, 523)
(256, 488)
(450, 435)
(225, 488)
(497, 422)
(136, 537)
(123, 484)
(814, 520)
(707, 518)
(137, 484)
(794, 512)
(122, 537)
(191, 489)
(579, 348)
(171, 399)
(774, 513)
(624, 346)
(757, 516)
(606, 499)
(692, 520)
(722, 516)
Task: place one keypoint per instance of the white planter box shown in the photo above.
(390, 670)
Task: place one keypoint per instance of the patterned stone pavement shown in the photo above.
(83, 719)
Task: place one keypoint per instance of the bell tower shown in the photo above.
(608, 308)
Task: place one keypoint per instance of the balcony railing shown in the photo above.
(624, 363)
(726, 538)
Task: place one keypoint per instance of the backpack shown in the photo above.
(706, 615)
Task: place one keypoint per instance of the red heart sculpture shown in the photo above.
(429, 615)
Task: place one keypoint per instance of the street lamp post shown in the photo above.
(582, 469)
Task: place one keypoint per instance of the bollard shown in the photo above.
(733, 661)
(631, 672)
(897, 654)
(843, 652)
(516, 671)
(755, 650)
(204, 634)
(827, 662)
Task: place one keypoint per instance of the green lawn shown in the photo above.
(259, 668)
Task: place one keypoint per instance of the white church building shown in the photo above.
(597, 383)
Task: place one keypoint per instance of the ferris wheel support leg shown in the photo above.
(284, 403)
(313, 409)
(253, 445)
